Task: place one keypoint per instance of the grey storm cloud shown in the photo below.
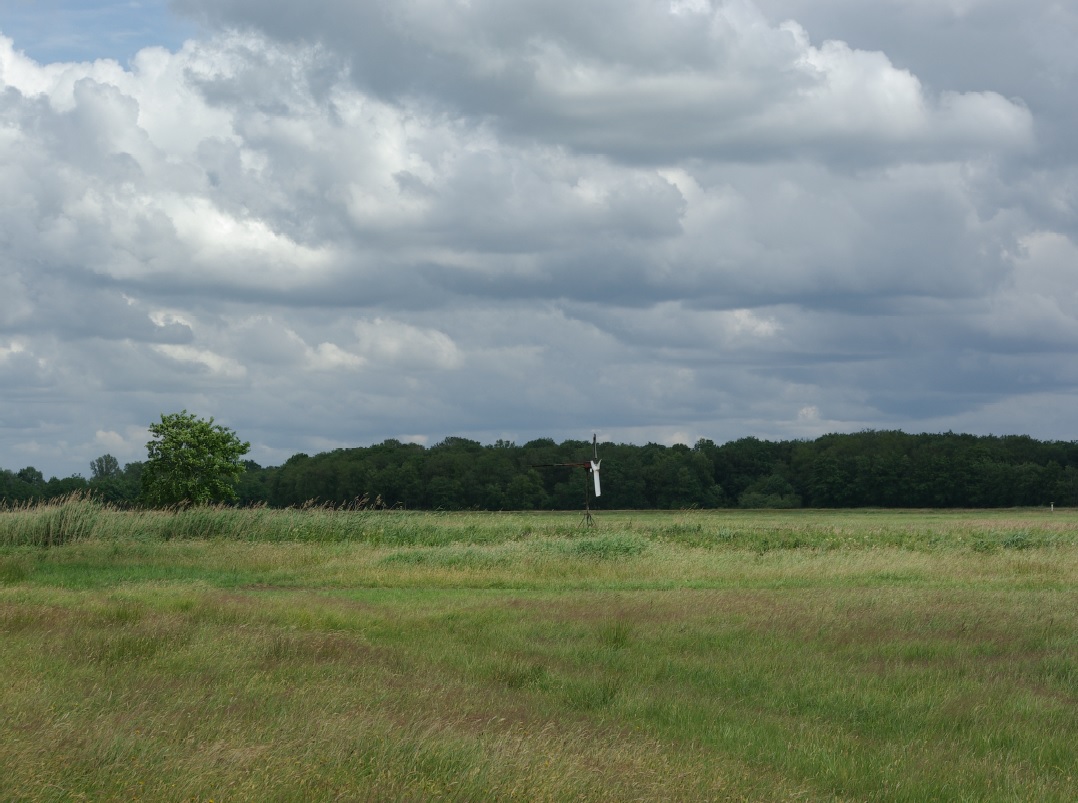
(330, 223)
(641, 80)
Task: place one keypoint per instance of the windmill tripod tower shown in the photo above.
(590, 467)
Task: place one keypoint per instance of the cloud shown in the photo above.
(642, 81)
(401, 345)
(333, 223)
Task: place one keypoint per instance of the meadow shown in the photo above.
(257, 654)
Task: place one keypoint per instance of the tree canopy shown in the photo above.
(104, 467)
(191, 461)
(864, 469)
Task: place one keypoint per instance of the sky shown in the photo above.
(330, 223)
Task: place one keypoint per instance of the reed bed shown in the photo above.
(78, 518)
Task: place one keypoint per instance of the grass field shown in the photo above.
(322, 655)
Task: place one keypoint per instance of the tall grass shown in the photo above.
(78, 518)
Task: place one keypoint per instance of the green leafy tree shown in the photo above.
(112, 484)
(525, 491)
(104, 467)
(769, 492)
(31, 476)
(191, 461)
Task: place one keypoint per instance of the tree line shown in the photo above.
(865, 469)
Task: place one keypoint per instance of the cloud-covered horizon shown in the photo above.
(330, 224)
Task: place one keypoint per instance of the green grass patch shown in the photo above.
(606, 547)
(730, 655)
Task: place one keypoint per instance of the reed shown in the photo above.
(78, 518)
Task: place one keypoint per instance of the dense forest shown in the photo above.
(866, 469)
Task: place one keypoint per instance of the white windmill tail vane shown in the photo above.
(595, 461)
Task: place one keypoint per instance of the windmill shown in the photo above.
(590, 467)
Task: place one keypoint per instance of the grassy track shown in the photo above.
(299, 655)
